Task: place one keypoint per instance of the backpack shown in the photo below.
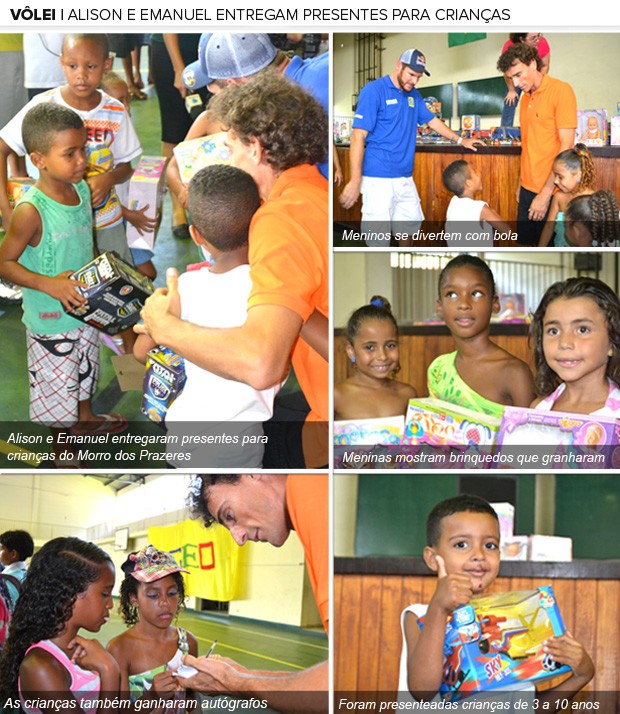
(7, 603)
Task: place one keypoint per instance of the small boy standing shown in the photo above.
(462, 535)
(112, 142)
(50, 236)
(15, 548)
(222, 201)
(470, 222)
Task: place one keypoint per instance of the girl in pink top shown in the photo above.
(68, 587)
(576, 334)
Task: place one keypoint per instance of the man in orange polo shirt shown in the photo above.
(277, 133)
(265, 508)
(548, 119)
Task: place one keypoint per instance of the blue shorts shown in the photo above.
(141, 255)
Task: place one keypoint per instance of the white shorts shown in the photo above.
(389, 206)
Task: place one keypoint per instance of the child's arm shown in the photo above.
(25, 229)
(425, 647)
(490, 216)
(549, 227)
(141, 347)
(567, 650)
(315, 332)
(101, 184)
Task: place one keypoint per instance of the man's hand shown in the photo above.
(164, 303)
(472, 143)
(453, 590)
(350, 194)
(539, 207)
(215, 674)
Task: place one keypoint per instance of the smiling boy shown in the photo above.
(462, 535)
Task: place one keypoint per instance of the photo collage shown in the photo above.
(392, 261)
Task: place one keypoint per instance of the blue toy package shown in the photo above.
(495, 641)
(163, 382)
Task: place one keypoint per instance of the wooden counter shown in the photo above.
(420, 344)
(370, 594)
(498, 166)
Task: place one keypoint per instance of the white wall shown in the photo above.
(49, 506)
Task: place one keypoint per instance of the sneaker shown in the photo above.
(10, 294)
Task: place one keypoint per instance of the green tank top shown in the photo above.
(444, 382)
(66, 244)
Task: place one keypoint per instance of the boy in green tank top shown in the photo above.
(49, 237)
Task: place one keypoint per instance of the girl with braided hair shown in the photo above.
(574, 176)
(592, 220)
(68, 587)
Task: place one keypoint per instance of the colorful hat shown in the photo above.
(416, 60)
(150, 564)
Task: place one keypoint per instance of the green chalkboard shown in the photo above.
(442, 92)
(481, 96)
(392, 509)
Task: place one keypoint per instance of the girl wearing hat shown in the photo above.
(151, 596)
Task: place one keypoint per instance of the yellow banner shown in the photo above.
(209, 554)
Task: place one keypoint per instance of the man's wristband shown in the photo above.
(459, 141)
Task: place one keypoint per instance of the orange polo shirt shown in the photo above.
(551, 107)
(307, 503)
(288, 256)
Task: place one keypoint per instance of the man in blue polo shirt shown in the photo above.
(382, 150)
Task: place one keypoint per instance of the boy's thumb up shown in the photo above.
(441, 567)
(172, 280)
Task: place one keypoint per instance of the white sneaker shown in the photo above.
(10, 294)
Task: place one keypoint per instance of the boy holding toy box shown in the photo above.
(463, 549)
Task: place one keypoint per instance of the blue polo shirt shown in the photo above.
(313, 75)
(391, 118)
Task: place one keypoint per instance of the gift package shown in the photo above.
(591, 127)
(16, 188)
(114, 291)
(495, 641)
(383, 430)
(163, 382)
(146, 188)
(195, 154)
(439, 423)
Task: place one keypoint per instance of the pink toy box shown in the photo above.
(496, 640)
(146, 188)
(591, 127)
(615, 131)
(511, 308)
(195, 154)
(432, 421)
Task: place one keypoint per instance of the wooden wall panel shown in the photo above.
(368, 639)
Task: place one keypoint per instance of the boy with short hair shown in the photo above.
(112, 142)
(467, 216)
(222, 201)
(15, 548)
(50, 237)
(462, 535)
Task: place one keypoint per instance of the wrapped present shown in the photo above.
(614, 137)
(195, 154)
(439, 423)
(383, 430)
(163, 382)
(146, 188)
(115, 293)
(496, 641)
(511, 308)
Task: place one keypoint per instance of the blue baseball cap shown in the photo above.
(224, 55)
(416, 60)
